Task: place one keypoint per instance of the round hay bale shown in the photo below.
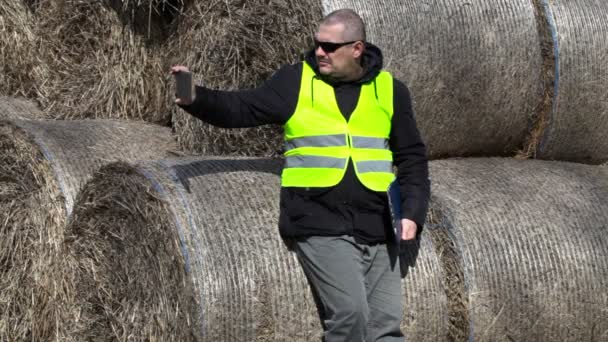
(237, 45)
(579, 122)
(473, 67)
(99, 68)
(532, 239)
(20, 64)
(18, 108)
(42, 165)
(214, 223)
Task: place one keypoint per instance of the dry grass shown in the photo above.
(237, 45)
(99, 68)
(43, 166)
(20, 65)
(29, 199)
(129, 284)
(109, 59)
(453, 277)
(239, 287)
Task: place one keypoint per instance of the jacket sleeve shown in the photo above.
(409, 155)
(272, 103)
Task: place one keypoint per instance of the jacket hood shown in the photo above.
(371, 61)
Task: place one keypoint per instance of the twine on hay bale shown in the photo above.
(473, 67)
(98, 67)
(237, 45)
(542, 114)
(531, 236)
(18, 108)
(43, 164)
(215, 222)
(579, 122)
(20, 64)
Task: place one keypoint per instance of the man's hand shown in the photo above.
(177, 69)
(408, 229)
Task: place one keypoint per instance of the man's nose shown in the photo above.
(320, 52)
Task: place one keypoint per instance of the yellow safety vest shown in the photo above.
(319, 141)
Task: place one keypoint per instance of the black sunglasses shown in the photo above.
(329, 47)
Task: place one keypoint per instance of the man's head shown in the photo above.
(339, 45)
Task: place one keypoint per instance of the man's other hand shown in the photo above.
(408, 229)
(174, 70)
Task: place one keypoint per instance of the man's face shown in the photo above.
(341, 62)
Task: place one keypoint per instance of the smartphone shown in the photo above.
(184, 86)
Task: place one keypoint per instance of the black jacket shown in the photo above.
(349, 207)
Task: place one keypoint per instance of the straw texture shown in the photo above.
(98, 67)
(532, 239)
(20, 64)
(237, 45)
(473, 68)
(43, 164)
(223, 213)
(579, 123)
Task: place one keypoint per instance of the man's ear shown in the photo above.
(358, 49)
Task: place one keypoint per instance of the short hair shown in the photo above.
(354, 27)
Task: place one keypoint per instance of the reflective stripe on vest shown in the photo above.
(315, 162)
(316, 141)
(319, 141)
(368, 142)
(374, 166)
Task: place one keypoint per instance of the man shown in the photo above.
(346, 123)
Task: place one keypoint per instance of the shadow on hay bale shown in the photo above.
(237, 45)
(152, 19)
(532, 239)
(42, 165)
(214, 222)
(474, 68)
(579, 120)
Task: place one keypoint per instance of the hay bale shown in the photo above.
(214, 223)
(19, 61)
(473, 67)
(99, 68)
(579, 122)
(237, 45)
(18, 108)
(42, 165)
(532, 239)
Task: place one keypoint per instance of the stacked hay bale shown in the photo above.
(237, 45)
(531, 236)
(514, 249)
(577, 127)
(98, 67)
(205, 259)
(473, 67)
(43, 164)
(20, 64)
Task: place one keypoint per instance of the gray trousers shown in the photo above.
(357, 291)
